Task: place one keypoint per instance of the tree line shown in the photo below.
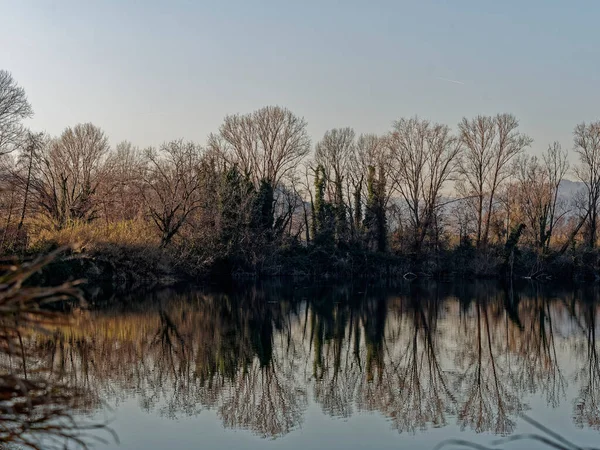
(258, 187)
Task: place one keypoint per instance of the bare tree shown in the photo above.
(371, 151)
(587, 146)
(172, 181)
(32, 145)
(490, 145)
(121, 195)
(8, 200)
(14, 107)
(556, 164)
(462, 219)
(306, 194)
(425, 156)
(335, 153)
(478, 136)
(266, 145)
(68, 172)
(537, 194)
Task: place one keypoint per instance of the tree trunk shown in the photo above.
(479, 220)
(565, 246)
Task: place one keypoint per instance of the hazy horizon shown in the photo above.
(150, 72)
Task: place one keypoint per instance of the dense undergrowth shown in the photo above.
(128, 255)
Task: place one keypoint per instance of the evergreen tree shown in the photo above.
(341, 224)
(357, 210)
(235, 189)
(381, 212)
(375, 222)
(323, 219)
(263, 211)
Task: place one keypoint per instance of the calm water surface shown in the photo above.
(278, 366)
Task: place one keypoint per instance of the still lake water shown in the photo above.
(337, 367)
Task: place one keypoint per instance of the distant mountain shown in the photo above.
(566, 193)
(568, 189)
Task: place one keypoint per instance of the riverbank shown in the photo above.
(127, 268)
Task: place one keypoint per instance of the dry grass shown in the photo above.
(130, 233)
(34, 412)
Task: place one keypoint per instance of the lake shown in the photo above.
(289, 366)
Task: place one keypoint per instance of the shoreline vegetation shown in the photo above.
(124, 269)
(37, 408)
(260, 200)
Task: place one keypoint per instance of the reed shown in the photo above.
(36, 412)
(544, 436)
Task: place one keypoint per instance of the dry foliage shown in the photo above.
(35, 412)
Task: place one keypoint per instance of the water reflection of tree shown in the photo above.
(537, 366)
(387, 363)
(418, 357)
(265, 396)
(489, 397)
(336, 365)
(263, 400)
(587, 404)
(413, 389)
(182, 356)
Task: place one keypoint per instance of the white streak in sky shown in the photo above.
(449, 80)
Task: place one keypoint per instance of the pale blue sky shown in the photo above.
(150, 71)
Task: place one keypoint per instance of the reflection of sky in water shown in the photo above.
(137, 429)
(389, 369)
